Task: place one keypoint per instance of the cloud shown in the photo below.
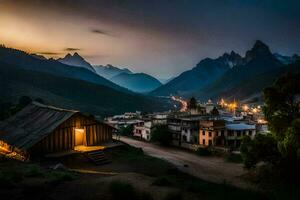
(101, 32)
(71, 49)
(48, 53)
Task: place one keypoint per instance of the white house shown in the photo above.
(143, 130)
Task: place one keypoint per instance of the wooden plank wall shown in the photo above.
(97, 134)
(63, 137)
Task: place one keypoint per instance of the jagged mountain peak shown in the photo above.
(76, 54)
(77, 61)
(108, 71)
(259, 49)
(232, 59)
(259, 45)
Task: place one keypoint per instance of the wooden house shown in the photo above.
(41, 129)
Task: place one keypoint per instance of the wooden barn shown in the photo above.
(41, 129)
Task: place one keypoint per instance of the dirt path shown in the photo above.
(211, 169)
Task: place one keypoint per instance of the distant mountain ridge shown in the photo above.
(77, 61)
(138, 82)
(71, 93)
(108, 71)
(26, 61)
(212, 78)
(200, 76)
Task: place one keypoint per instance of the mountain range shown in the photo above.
(74, 83)
(77, 61)
(136, 82)
(108, 71)
(213, 78)
(72, 87)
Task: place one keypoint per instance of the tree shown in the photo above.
(262, 148)
(162, 135)
(192, 104)
(281, 148)
(126, 130)
(214, 112)
(281, 104)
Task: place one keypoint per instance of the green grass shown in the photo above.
(168, 176)
(140, 162)
(58, 177)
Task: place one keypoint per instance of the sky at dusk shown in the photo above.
(159, 37)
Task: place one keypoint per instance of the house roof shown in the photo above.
(32, 124)
(240, 126)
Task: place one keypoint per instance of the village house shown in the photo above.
(39, 129)
(144, 128)
(212, 133)
(223, 134)
(174, 126)
(236, 131)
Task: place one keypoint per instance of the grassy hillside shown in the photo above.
(28, 62)
(71, 93)
(138, 82)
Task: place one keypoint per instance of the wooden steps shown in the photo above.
(97, 157)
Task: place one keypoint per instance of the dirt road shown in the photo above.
(213, 169)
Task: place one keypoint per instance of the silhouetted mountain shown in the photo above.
(283, 59)
(205, 72)
(139, 82)
(257, 61)
(253, 87)
(109, 71)
(77, 61)
(71, 93)
(38, 56)
(165, 81)
(215, 77)
(23, 60)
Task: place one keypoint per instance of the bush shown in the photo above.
(33, 171)
(162, 135)
(203, 152)
(126, 131)
(57, 177)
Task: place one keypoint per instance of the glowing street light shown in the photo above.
(245, 108)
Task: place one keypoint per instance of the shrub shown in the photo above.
(162, 135)
(57, 177)
(126, 131)
(33, 171)
(235, 158)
